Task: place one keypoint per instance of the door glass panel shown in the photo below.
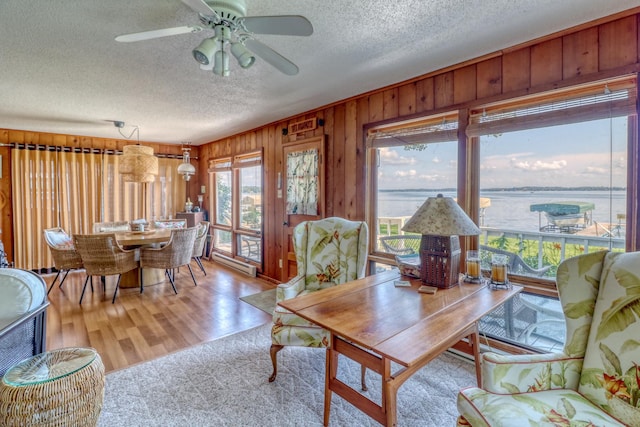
(251, 198)
(223, 198)
(222, 240)
(250, 247)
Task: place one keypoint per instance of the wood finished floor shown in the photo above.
(141, 327)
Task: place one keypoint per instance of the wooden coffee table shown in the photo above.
(374, 323)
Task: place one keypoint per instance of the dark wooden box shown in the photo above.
(440, 258)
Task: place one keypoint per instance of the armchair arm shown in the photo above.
(509, 374)
(291, 289)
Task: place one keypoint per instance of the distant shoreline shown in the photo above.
(514, 189)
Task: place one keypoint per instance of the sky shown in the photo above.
(581, 154)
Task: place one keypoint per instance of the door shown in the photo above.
(304, 181)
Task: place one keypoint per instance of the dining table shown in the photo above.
(140, 239)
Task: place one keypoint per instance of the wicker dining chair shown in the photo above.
(103, 256)
(198, 246)
(176, 253)
(63, 251)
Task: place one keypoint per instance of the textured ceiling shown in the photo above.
(62, 72)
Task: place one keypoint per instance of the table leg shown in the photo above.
(474, 340)
(331, 371)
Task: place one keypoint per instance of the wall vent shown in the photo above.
(243, 267)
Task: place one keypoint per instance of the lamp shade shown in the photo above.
(441, 216)
(138, 164)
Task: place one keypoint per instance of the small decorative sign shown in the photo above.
(303, 126)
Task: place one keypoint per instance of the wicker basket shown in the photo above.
(63, 387)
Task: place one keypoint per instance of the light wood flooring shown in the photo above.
(141, 327)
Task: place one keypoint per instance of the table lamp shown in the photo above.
(440, 220)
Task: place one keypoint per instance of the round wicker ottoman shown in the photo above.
(63, 387)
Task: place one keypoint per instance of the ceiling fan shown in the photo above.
(231, 27)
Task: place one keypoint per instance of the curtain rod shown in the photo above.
(66, 149)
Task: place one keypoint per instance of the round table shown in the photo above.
(58, 387)
(136, 239)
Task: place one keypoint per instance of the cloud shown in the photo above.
(391, 157)
(405, 173)
(435, 160)
(538, 165)
(596, 171)
(430, 178)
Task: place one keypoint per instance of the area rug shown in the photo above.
(225, 383)
(265, 301)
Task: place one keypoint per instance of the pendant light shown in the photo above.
(138, 164)
(186, 169)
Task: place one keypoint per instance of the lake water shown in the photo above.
(510, 209)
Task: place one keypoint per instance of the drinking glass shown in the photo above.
(473, 265)
(499, 269)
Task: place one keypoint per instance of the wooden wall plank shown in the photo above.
(329, 126)
(390, 104)
(618, 43)
(407, 99)
(376, 107)
(350, 158)
(546, 62)
(516, 70)
(489, 77)
(425, 96)
(337, 166)
(361, 170)
(580, 53)
(464, 84)
(443, 90)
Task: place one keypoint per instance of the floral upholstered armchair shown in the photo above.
(595, 381)
(329, 252)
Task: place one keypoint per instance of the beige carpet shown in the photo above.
(224, 383)
(265, 301)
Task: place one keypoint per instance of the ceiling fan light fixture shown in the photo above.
(242, 54)
(206, 50)
(221, 67)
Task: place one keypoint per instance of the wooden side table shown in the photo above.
(59, 387)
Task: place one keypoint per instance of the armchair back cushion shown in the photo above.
(330, 252)
(611, 369)
(21, 292)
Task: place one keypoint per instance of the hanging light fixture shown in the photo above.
(138, 164)
(186, 169)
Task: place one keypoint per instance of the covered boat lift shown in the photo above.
(564, 217)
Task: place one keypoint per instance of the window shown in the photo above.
(412, 162)
(553, 174)
(237, 224)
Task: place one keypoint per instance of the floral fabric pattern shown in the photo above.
(595, 381)
(329, 252)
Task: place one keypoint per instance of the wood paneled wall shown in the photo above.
(603, 49)
(40, 138)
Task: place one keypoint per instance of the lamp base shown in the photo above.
(440, 260)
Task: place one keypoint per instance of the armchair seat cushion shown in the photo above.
(558, 407)
(282, 316)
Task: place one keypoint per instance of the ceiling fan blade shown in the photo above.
(199, 6)
(272, 57)
(154, 34)
(285, 25)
